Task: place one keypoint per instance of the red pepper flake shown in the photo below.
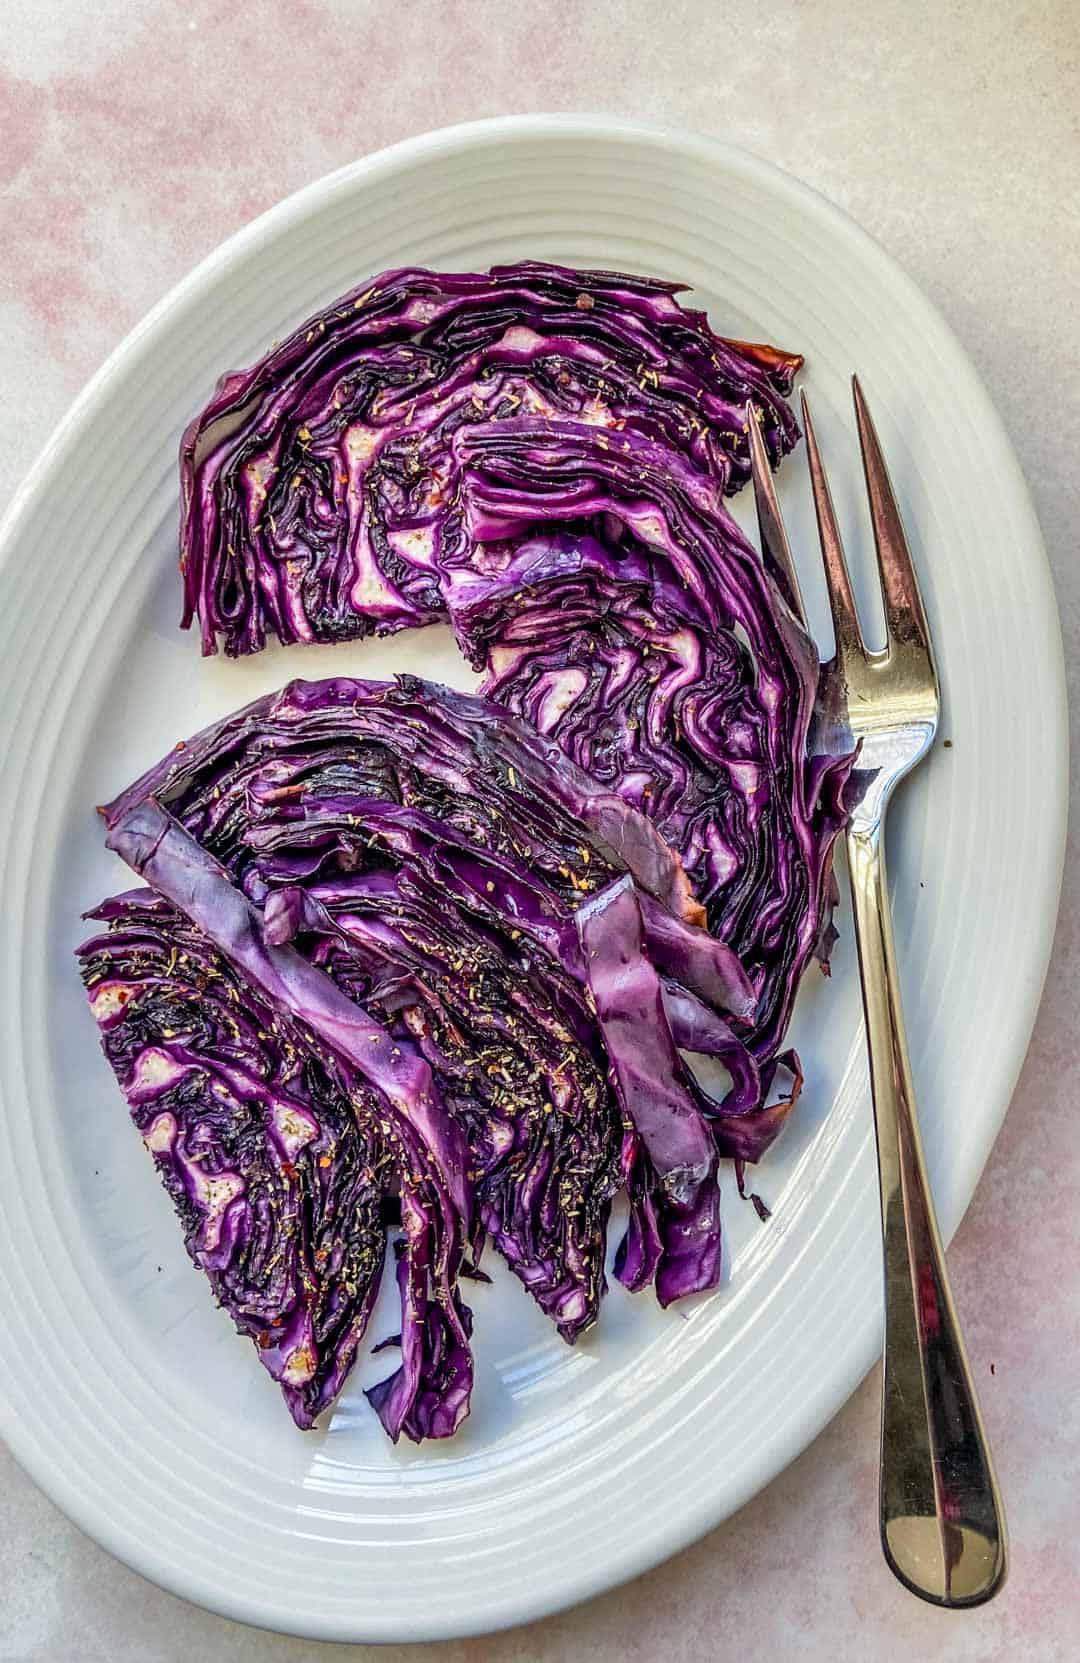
(584, 303)
(324, 1160)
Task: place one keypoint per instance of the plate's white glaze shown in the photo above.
(124, 1392)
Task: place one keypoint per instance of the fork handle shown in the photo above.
(941, 1519)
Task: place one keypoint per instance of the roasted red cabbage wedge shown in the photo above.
(319, 485)
(389, 1086)
(256, 1139)
(494, 957)
(639, 629)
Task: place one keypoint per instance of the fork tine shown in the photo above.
(838, 583)
(905, 619)
(775, 548)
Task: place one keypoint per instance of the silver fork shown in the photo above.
(941, 1519)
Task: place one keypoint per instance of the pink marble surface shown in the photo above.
(134, 135)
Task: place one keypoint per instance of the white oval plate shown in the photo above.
(125, 1393)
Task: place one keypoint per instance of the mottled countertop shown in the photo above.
(134, 136)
